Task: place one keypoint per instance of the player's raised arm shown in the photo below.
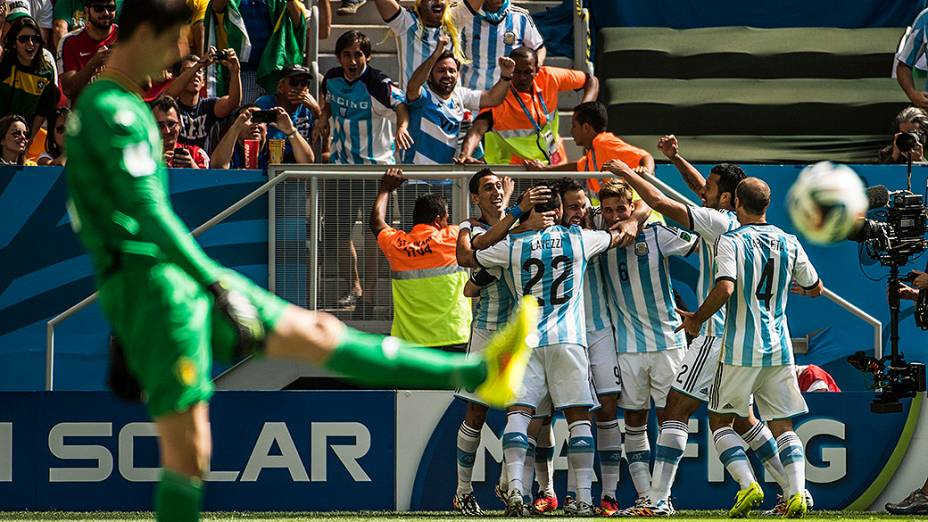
(670, 148)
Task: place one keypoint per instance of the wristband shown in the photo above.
(292, 134)
(505, 78)
(515, 211)
(465, 226)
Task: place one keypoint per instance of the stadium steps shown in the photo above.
(747, 52)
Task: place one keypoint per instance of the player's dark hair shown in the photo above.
(9, 42)
(564, 185)
(58, 118)
(350, 38)
(6, 122)
(730, 175)
(161, 15)
(165, 103)
(754, 195)
(553, 203)
(524, 53)
(428, 208)
(592, 113)
(474, 183)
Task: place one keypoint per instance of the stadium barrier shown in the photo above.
(386, 450)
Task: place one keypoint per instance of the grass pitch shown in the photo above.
(690, 516)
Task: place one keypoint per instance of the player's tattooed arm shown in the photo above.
(670, 148)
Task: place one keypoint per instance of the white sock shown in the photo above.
(670, 446)
(528, 470)
(638, 454)
(544, 460)
(609, 447)
(515, 445)
(794, 462)
(732, 455)
(765, 447)
(571, 482)
(580, 453)
(468, 441)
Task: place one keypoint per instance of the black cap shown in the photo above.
(295, 71)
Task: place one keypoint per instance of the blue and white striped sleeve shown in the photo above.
(726, 262)
(913, 42)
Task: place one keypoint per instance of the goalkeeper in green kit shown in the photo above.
(174, 309)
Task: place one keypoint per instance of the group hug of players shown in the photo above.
(611, 336)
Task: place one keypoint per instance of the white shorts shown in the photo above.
(545, 407)
(604, 365)
(697, 371)
(647, 376)
(478, 341)
(775, 388)
(561, 370)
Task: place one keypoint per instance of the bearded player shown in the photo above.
(173, 308)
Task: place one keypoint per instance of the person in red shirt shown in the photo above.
(82, 53)
(176, 155)
(814, 379)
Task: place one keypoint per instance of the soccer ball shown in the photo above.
(826, 202)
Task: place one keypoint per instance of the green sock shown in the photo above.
(178, 497)
(372, 360)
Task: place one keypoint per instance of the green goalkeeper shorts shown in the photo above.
(170, 331)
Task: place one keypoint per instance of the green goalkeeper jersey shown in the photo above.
(117, 183)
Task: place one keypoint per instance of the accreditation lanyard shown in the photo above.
(550, 149)
(528, 113)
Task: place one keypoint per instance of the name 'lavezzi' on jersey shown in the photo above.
(550, 264)
(762, 261)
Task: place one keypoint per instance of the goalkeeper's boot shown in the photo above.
(746, 500)
(796, 506)
(466, 505)
(507, 355)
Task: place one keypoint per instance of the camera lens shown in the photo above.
(906, 141)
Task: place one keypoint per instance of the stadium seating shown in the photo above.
(753, 95)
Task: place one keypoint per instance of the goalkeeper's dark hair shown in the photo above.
(553, 203)
(730, 175)
(428, 208)
(474, 183)
(592, 113)
(161, 15)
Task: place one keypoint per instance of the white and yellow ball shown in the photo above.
(826, 202)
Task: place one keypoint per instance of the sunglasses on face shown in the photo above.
(299, 82)
(100, 8)
(26, 38)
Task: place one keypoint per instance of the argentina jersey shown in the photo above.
(415, 42)
(435, 124)
(761, 260)
(483, 42)
(595, 297)
(640, 293)
(495, 303)
(550, 264)
(710, 224)
(362, 117)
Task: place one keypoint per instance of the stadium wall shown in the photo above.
(378, 450)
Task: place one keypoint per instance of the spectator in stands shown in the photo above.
(417, 32)
(266, 34)
(230, 152)
(54, 141)
(39, 10)
(910, 119)
(27, 79)
(71, 15)
(525, 126)
(437, 105)
(176, 155)
(490, 29)
(814, 379)
(357, 96)
(199, 116)
(350, 7)
(82, 54)
(588, 129)
(294, 97)
(429, 306)
(15, 135)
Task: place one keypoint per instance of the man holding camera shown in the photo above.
(176, 155)
(294, 97)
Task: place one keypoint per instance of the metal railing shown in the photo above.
(460, 209)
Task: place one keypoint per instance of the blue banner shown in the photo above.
(45, 269)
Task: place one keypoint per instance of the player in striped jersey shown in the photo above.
(755, 267)
(490, 29)
(642, 306)
(360, 101)
(437, 105)
(417, 32)
(550, 264)
(693, 382)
